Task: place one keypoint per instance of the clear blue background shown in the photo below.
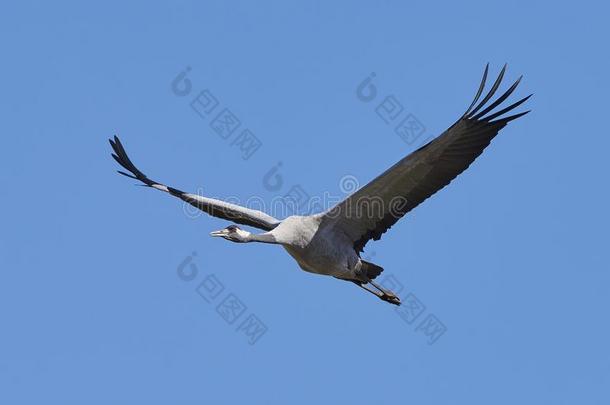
(511, 257)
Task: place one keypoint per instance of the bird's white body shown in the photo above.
(317, 250)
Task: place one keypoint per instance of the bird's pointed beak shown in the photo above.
(222, 232)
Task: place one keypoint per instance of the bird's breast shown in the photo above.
(324, 255)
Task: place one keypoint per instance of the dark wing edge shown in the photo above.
(216, 208)
(458, 147)
(470, 115)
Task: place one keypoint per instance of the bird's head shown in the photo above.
(233, 233)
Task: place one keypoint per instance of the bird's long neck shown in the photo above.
(266, 237)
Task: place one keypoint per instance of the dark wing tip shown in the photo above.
(478, 109)
(118, 160)
(480, 90)
(122, 159)
(499, 101)
(507, 109)
(511, 117)
(128, 175)
(491, 92)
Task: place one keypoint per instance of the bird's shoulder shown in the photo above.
(297, 230)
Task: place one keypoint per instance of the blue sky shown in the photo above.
(509, 257)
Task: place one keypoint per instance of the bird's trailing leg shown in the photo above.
(387, 295)
(382, 294)
(383, 290)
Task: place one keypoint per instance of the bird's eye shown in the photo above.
(231, 228)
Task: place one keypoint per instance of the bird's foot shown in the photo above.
(390, 297)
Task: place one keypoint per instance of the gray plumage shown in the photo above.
(330, 242)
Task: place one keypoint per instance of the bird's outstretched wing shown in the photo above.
(216, 208)
(373, 209)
